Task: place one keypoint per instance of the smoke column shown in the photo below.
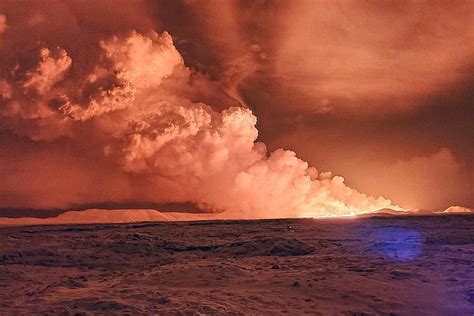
(131, 122)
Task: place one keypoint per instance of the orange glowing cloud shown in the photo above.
(3, 23)
(96, 110)
(210, 158)
(360, 51)
(344, 56)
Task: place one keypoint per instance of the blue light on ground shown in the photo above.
(399, 243)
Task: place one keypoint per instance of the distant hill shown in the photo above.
(92, 216)
(457, 210)
(100, 216)
(389, 211)
(452, 210)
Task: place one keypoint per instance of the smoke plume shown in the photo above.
(129, 121)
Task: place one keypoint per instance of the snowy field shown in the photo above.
(418, 265)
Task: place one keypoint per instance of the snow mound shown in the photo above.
(112, 216)
(92, 216)
(457, 209)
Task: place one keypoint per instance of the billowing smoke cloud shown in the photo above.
(354, 87)
(155, 126)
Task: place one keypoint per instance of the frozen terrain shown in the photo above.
(417, 265)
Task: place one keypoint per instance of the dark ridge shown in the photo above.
(41, 213)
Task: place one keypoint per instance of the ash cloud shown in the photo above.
(122, 118)
(357, 88)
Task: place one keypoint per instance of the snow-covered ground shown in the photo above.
(403, 265)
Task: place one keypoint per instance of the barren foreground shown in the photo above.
(381, 265)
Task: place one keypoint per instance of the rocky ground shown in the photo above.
(379, 265)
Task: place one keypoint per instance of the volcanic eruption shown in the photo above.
(172, 157)
(97, 113)
(135, 103)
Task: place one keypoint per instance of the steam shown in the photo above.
(137, 102)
